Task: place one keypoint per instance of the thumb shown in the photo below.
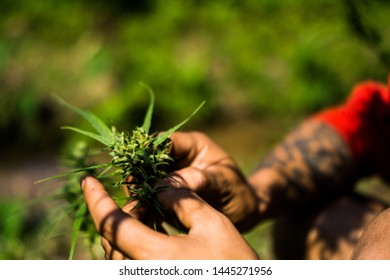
(123, 232)
(189, 208)
(99, 202)
(192, 178)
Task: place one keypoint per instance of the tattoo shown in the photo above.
(312, 160)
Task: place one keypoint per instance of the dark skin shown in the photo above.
(374, 243)
(298, 171)
(125, 237)
(311, 162)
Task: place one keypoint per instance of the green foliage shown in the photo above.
(19, 229)
(70, 197)
(255, 58)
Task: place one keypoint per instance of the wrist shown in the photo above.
(265, 183)
(248, 215)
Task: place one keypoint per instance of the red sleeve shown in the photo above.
(364, 123)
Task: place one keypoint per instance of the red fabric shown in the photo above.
(364, 122)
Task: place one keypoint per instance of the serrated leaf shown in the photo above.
(96, 122)
(148, 116)
(106, 140)
(162, 137)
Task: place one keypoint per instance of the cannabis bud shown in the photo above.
(139, 159)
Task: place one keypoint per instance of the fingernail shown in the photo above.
(82, 180)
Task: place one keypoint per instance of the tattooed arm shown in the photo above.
(310, 162)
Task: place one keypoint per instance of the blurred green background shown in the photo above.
(262, 66)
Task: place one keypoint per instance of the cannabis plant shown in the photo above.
(138, 161)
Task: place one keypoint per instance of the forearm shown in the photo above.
(310, 162)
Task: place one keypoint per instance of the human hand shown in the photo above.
(374, 243)
(210, 234)
(203, 167)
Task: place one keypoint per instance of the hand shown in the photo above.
(210, 234)
(203, 167)
(374, 243)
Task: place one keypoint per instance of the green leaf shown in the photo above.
(80, 214)
(105, 165)
(148, 117)
(162, 137)
(106, 140)
(96, 122)
(104, 171)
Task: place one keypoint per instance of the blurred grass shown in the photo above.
(261, 66)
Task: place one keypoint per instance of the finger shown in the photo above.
(135, 210)
(132, 207)
(186, 147)
(99, 202)
(126, 191)
(118, 228)
(129, 208)
(128, 185)
(195, 149)
(189, 177)
(189, 208)
(144, 214)
(110, 252)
